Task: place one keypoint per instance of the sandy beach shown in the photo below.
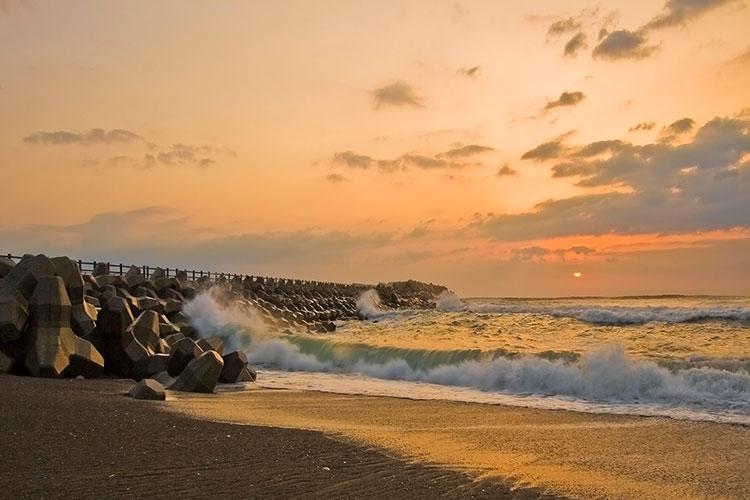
(566, 453)
(85, 439)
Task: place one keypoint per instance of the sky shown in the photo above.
(495, 147)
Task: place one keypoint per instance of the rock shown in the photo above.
(114, 318)
(134, 278)
(171, 306)
(146, 329)
(201, 374)
(166, 327)
(71, 276)
(83, 319)
(150, 366)
(14, 311)
(234, 366)
(92, 300)
(157, 274)
(163, 347)
(6, 362)
(25, 275)
(164, 378)
(85, 360)
(6, 265)
(148, 388)
(181, 354)
(172, 339)
(248, 374)
(110, 336)
(134, 351)
(48, 354)
(212, 343)
(49, 305)
(170, 293)
(146, 303)
(101, 269)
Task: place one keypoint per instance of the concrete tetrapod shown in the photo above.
(201, 374)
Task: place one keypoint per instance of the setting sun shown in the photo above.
(577, 274)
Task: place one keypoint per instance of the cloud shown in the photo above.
(679, 12)
(398, 93)
(642, 126)
(572, 169)
(564, 26)
(545, 151)
(448, 159)
(540, 254)
(335, 178)
(700, 185)
(352, 159)
(623, 44)
(566, 99)
(187, 154)
(576, 43)
(469, 72)
(676, 129)
(93, 136)
(506, 171)
(467, 150)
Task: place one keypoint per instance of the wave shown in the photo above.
(604, 375)
(620, 315)
(448, 301)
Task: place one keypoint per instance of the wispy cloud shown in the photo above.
(398, 93)
(469, 71)
(93, 136)
(506, 171)
(624, 44)
(565, 99)
(575, 44)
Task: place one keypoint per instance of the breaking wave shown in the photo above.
(604, 375)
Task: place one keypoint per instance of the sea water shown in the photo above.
(674, 356)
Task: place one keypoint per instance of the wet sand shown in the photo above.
(85, 439)
(568, 453)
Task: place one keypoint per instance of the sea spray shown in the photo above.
(368, 304)
(450, 302)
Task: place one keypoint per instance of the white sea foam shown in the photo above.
(599, 379)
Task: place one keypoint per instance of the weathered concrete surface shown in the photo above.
(201, 374)
(234, 367)
(150, 366)
(146, 329)
(85, 360)
(83, 319)
(14, 311)
(71, 276)
(25, 275)
(181, 354)
(148, 388)
(212, 343)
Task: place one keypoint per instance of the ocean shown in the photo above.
(671, 356)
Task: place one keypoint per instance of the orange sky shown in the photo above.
(363, 141)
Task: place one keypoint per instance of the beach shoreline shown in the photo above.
(84, 439)
(569, 453)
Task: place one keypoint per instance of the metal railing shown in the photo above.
(119, 269)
